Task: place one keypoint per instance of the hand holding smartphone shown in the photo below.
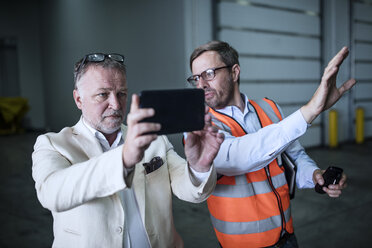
(332, 175)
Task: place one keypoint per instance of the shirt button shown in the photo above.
(119, 229)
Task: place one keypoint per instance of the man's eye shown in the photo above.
(209, 73)
(122, 94)
(102, 95)
(196, 78)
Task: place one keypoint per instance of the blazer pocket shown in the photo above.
(154, 164)
(159, 172)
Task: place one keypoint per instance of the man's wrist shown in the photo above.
(200, 176)
(308, 114)
(200, 169)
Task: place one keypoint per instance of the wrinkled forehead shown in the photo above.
(100, 77)
(205, 61)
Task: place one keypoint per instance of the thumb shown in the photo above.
(347, 86)
(135, 103)
(318, 176)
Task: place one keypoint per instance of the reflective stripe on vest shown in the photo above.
(245, 210)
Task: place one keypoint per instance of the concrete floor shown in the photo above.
(318, 220)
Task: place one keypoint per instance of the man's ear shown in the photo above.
(77, 98)
(235, 72)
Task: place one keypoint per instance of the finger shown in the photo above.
(135, 103)
(206, 109)
(332, 193)
(346, 86)
(339, 57)
(144, 141)
(337, 60)
(213, 129)
(140, 114)
(343, 179)
(207, 120)
(146, 127)
(329, 72)
(208, 130)
(334, 187)
(220, 138)
(197, 133)
(318, 177)
(207, 117)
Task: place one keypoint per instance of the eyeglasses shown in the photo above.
(207, 75)
(99, 57)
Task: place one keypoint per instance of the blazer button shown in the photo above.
(119, 229)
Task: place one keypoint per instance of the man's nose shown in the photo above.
(114, 102)
(202, 83)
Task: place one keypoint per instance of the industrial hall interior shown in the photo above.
(284, 47)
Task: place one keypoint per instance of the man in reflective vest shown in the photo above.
(250, 206)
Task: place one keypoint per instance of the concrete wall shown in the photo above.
(21, 21)
(336, 34)
(156, 37)
(149, 34)
(53, 35)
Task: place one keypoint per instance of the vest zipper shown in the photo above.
(267, 170)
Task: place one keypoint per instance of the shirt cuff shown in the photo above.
(294, 125)
(200, 176)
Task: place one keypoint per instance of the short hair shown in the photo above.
(227, 53)
(107, 63)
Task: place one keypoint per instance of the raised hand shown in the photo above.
(137, 140)
(202, 146)
(327, 94)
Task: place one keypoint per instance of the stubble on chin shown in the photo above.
(110, 126)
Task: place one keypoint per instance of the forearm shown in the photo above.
(193, 188)
(61, 186)
(305, 165)
(254, 151)
(309, 112)
(185, 185)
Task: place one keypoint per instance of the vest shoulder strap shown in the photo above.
(269, 107)
(227, 123)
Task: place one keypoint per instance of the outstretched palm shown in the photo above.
(327, 93)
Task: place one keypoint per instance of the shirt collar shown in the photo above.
(102, 139)
(230, 110)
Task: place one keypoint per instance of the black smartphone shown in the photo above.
(332, 175)
(177, 110)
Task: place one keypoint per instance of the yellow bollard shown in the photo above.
(359, 125)
(333, 129)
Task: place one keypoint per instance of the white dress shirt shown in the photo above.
(260, 146)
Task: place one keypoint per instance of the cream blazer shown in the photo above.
(79, 184)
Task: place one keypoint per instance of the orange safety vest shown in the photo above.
(253, 209)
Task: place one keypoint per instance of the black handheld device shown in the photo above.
(177, 110)
(331, 176)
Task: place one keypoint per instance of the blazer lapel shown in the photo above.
(139, 182)
(85, 138)
(139, 185)
(91, 146)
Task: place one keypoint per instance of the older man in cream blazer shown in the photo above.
(82, 171)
